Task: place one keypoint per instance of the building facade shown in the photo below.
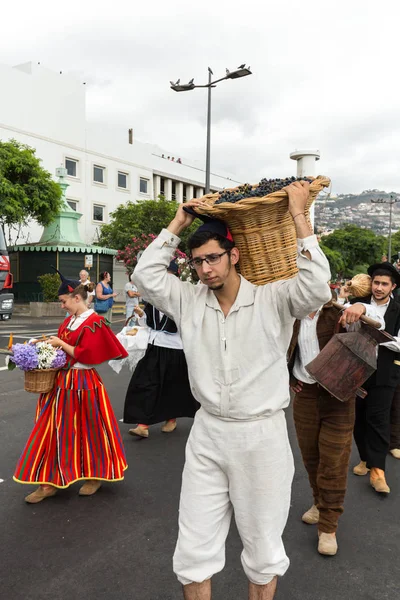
(106, 166)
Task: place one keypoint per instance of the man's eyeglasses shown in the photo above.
(211, 259)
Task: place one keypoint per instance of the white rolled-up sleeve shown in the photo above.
(309, 290)
(154, 284)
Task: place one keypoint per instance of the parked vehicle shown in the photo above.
(6, 281)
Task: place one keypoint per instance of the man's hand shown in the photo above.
(297, 192)
(296, 386)
(352, 314)
(183, 219)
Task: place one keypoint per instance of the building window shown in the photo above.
(143, 186)
(194, 191)
(184, 193)
(99, 174)
(98, 213)
(123, 180)
(73, 204)
(162, 186)
(72, 167)
(173, 192)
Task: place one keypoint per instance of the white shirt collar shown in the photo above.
(374, 303)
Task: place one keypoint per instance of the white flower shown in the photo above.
(46, 355)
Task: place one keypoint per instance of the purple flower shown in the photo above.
(25, 356)
(60, 359)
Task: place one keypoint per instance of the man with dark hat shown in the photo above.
(235, 337)
(372, 425)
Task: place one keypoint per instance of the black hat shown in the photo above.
(67, 285)
(173, 267)
(210, 224)
(387, 266)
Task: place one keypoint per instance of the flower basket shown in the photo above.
(40, 362)
(264, 232)
(40, 381)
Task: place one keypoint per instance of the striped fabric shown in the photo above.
(76, 435)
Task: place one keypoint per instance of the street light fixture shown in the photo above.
(392, 200)
(241, 71)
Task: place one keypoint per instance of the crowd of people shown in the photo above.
(224, 352)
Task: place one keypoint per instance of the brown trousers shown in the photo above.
(395, 420)
(324, 428)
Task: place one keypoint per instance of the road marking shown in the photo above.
(31, 334)
(3, 368)
(1, 480)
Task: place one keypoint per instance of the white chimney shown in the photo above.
(306, 160)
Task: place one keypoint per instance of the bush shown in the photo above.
(50, 282)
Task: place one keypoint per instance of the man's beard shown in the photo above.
(216, 288)
(383, 298)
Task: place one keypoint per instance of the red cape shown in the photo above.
(95, 342)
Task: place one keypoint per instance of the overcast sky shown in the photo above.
(325, 76)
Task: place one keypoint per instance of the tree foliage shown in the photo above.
(143, 217)
(49, 282)
(357, 247)
(335, 260)
(395, 245)
(27, 191)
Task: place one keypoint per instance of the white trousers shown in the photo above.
(241, 466)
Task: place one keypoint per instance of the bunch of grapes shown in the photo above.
(265, 187)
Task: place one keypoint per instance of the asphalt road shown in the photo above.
(118, 544)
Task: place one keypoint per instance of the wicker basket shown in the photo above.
(40, 381)
(359, 286)
(264, 232)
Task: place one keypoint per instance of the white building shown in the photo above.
(106, 165)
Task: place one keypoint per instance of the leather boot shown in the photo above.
(140, 431)
(361, 468)
(169, 426)
(90, 487)
(42, 492)
(327, 543)
(311, 517)
(378, 481)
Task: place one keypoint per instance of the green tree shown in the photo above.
(27, 191)
(358, 247)
(395, 245)
(137, 218)
(335, 260)
(49, 282)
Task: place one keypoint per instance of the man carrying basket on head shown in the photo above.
(235, 337)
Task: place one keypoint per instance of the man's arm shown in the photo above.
(151, 278)
(309, 290)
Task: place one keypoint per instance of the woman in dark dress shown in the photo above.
(159, 389)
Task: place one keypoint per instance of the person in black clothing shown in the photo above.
(159, 389)
(372, 425)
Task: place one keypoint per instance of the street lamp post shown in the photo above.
(241, 71)
(392, 200)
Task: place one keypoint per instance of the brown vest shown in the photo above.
(327, 326)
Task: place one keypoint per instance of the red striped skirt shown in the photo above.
(76, 435)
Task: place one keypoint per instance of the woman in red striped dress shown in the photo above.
(76, 435)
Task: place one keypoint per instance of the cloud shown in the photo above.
(324, 76)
